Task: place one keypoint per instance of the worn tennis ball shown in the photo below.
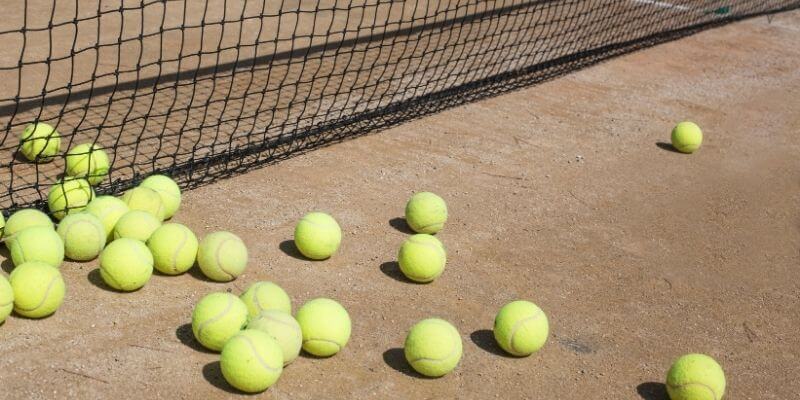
(325, 325)
(69, 195)
(263, 296)
(695, 377)
(126, 264)
(433, 347)
(168, 190)
(88, 160)
(40, 142)
(108, 209)
(26, 218)
(83, 235)
(174, 248)
(222, 256)
(521, 328)
(426, 213)
(145, 199)
(317, 236)
(136, 224)
(251, 361)
(38, 243)
(6, 299)
(216, 318)
(422, 258)
(687, 137)
(38, 289)
(283, 328)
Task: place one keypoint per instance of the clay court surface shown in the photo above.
(562, 193)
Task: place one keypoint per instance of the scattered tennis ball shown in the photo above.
(168, 190)
(174, 248)
(284, 329)
(88, 160)
(687, 137)
(40, 142)
(251, 361)
(108, 209)
(426, 213)
(38, 243)
(222, 256)
(83, 235)
(68, 196)
(145, 199)
(6, 299)
(695, 377)
(136, 224)
(325, 325)
(317, 236)
(263, 296)
(26, 218)
(433, 347)
(521, 328)
(422, 258)
(216, 318)
(126, 264)
(38, 289)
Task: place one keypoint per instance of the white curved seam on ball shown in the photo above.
(284, 323)
(256, 354)
(514, 329)
(178, 250)
(215, 318)
(338, 346)
(320, 225)
(424, 227)
(703, 385)
(259, 285)
(44, 296)
(438, 248)
(111, 276)
(219, 261)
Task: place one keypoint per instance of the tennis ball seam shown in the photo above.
(338, 346)
(109, 275)
(178, 250)
(284, 323)
(215, 318)
(256, 299)
(434, 246)
(217, 258)
(443, 359)
(319, 225)
(703, 385)
(44, 297)
(425, 227)
(255, 353)
(102, 237)
(516, 327)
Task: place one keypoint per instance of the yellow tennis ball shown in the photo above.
(126, 264)
(26, 218)
(433, 347)
(38, 289)
(263, 296)
(174, 248)
(426, 213)
(38, 243)
(216, 318)
(284, 329)
(88, 160)
(6, 299)
(251, 361)
(695, 377)
(108, 209)
(222, 256)
(145, 199)
(325, 325)
(83, 235)
(317, 236)
(168, 190)
(687, 137)
(69, 195)
(40, 142)
(422, 258)
(136, 224)
(521, 328)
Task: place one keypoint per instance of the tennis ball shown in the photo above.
(83, 235)
(284, 329)
(2, 225)
(325, 325)
(168, 190)
(38, 289)
(174, 248)
(68, 196)
(695, 377)
(251, 361)
(126, 264)
(26, 218)
(433, 347)
(422, 258)
(40, 142)
(317, 236)
(108, 209)
(136, 224)
(521, 328)
(88, 160)
(687, 137)
(6, 299)
(216, 318)
(145, 199)
(38, 243)
(222, 256)
(262, 296)
(426, 213)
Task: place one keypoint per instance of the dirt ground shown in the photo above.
(563, 193)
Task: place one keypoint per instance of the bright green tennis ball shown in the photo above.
(426, 213)
(695, 377)
(6, 299)
(521, 328)
(433, 347)
(262, 296)
(284, 329)
(251, 361)
(108, 209)
(422, 258)
(174, 248)
(145, 199)
(38, 289)
(68, 196)
(136, 224)
(325, 325)
(83, 235)
(216, 318)
(26, 218)
(222, 256)
(168, 190)
(88, 160)
(317, 236)
(126, 264)
(687, 137)
(38, 243)
(40, 142)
